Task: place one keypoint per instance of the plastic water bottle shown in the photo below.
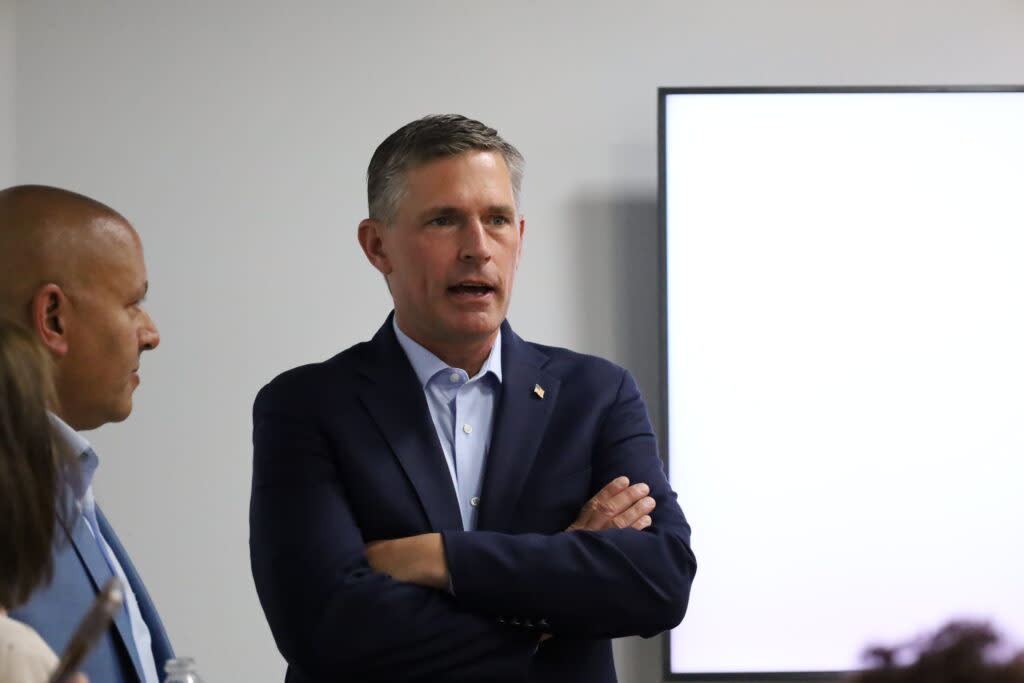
(181, 670)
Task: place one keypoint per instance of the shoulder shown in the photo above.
(575, 365)
(314, 382)
(24, 657)
(582, 377)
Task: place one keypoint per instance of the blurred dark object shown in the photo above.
(960, 652)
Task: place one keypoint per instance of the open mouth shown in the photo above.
(471, 289)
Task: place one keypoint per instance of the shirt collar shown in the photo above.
(72, 442)
(426, 364)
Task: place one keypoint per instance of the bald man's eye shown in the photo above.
(441, 221)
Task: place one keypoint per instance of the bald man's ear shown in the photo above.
(371, 239)
(48, 312)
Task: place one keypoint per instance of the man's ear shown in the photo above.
(48, 317)
(522, 231)
(371, 239)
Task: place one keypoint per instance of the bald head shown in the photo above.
(50, 235)
(72, 270)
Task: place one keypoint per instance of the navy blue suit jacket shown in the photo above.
(78, 574)
(346, 453)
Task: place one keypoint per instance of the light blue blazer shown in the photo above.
(79, 572)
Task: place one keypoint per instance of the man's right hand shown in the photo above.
(617, 506)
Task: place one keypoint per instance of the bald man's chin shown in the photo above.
(87, 423)
(122, 414)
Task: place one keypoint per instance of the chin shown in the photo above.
(479, 331)
(121, 414)
(120, 417)
(478, 322)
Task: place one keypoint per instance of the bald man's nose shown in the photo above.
(149, 337)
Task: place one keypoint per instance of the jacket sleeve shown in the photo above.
(328, 611)
(608, 583)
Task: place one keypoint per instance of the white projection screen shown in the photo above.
(844, 339)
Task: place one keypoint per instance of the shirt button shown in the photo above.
(474, 501)
(454, 377)
(467, 428)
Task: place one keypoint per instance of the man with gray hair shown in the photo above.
(448, 502)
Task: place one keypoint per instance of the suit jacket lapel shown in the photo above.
(520, 422)
(88, 548)
(161, 644)
(395, 400)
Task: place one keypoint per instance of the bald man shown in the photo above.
(71, 269)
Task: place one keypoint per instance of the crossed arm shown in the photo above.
(612, 572)
(421, 560)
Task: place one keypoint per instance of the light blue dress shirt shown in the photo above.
(462, 409)
(89, 461)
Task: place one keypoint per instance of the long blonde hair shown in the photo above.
(31, 487)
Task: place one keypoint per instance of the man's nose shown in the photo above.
(475, 243)
(149, 336)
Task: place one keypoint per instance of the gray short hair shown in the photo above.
(423, 140)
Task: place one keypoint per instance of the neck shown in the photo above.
(468, 355)
(67, 414)
(470, 360)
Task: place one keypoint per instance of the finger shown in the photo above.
(598, 512)
(629, 517)
(612, 488)
(607, 507)
(643, 523)
(600, 508)
(624, 500)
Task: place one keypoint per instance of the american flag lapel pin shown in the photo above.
(538, 390)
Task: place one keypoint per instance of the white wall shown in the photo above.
(235, 135)
(7, 84)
